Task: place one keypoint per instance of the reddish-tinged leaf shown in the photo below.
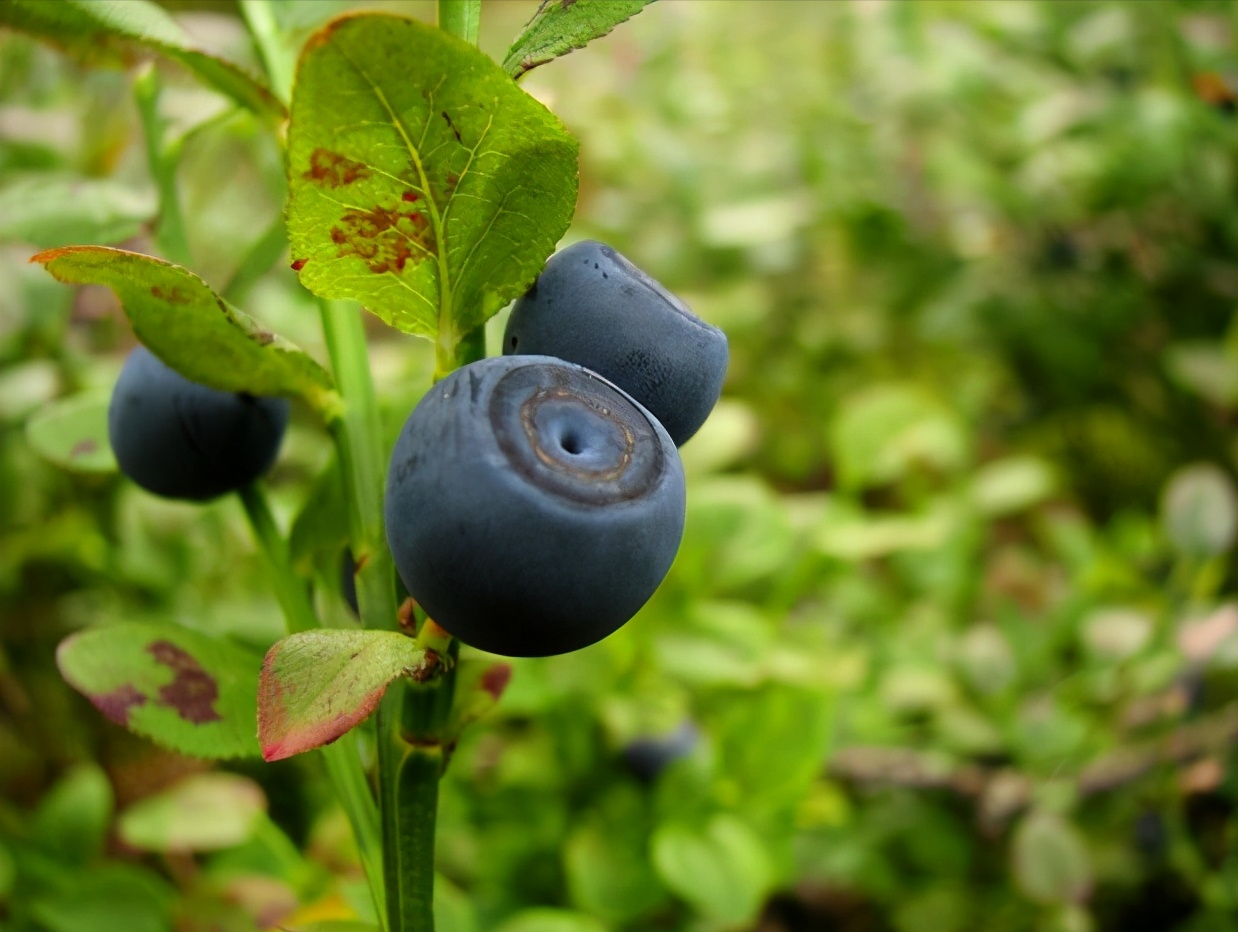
(316, 685)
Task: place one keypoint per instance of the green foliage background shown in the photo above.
(954, 613)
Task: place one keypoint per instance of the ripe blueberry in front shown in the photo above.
(593, 307)
(532, 508)
(179, 439)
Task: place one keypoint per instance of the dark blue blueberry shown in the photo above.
(593, 307)
(648, 756)
(532, 508)
(179, 439)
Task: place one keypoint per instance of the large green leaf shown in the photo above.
(561, 26)
(183, 322)
(107, 30)
(423, 183)
(316, 685)
(181, 689)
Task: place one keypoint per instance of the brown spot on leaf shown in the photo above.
(409, 197)
(193, 691)
(298, 264)
(83, 447)
(495, 679)
(262, 337)
(333, 170)
(116, 703)
(452, 126)
(173, 295)
(385, 238)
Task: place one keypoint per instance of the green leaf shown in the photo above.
(320, 530)
(774, 743)
(8, 872)
(183, 322)
(544, 919)
(479, 686)
(561, 26)
(423, 183)
(107, 899)
(72, 820)
(316, 685)
(722, 870)
(181, 689)
(51, 210)
(333, 925)
(1050, 859)
(72, 433)
(107, 29)
(1199, 510)
(203, 812)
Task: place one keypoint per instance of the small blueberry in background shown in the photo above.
(647, 756)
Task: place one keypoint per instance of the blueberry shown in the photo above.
(532, 508)
(648, 756)
(593, 307)
(179, 439)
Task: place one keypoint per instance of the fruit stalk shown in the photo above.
(342, 761)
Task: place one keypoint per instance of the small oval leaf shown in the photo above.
(183, 322)
(1199, 510)
(422, 181)
(203, 812)
(1051, 863)
(723, 869)
(316, 685)
(72, 433)
(181, 689)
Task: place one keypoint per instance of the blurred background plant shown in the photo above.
(952, 640)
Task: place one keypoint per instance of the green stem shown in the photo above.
(343, 762)
(359, 444)
(460, 18)
(412, 796)
(353, 790)
(279, 60)
(290, 590)
(162, 158)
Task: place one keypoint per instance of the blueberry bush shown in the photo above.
(949, 634)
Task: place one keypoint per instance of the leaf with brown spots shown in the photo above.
(181, 689)
(187, 325)
(562, 26)
(423, 182)
(317, 685)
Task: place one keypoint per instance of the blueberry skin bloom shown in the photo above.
(593, 307)
(532, 508)
(179, 439)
